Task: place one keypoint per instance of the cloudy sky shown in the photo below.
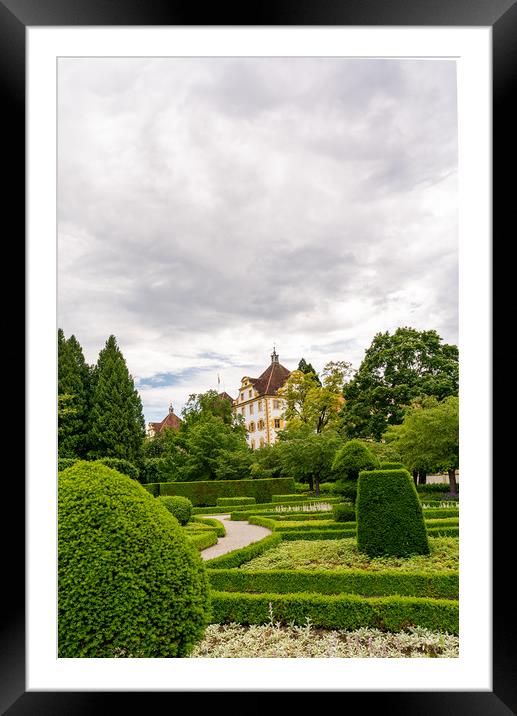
(212, 208)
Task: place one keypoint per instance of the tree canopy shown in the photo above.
(308, 368)
(308, 456)
(73, 387)
(395, 370)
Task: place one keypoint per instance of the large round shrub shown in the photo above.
(130, 583)
(390, 521)
(180, 507)
(353, 457)
(64, 462)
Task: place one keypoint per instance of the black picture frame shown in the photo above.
(501, 16)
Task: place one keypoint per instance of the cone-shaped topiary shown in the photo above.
(389, 515)
(130, 583)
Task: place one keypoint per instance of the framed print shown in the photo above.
(88, 167)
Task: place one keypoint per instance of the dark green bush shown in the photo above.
(64, 462)
(389, 515)
(206, 492)
(330, 611)
(343, 513)
(353, 457)
(180, 507)
(130, 583)
(234, 501)
(123, 466)
(391, 466)
(439, 585)
(347, 489)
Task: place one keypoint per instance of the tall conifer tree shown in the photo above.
(117, 425)
(73, 392)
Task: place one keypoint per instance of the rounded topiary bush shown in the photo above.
(64, 462)
(391, 466)
(390, 521)
(130, 583)
(353, 457)
(180, 507)
(343, 513)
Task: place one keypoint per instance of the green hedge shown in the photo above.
(438, 512)
(443, 531)
(391, 466)
(240, 556)
(435, 487)
(439, 585)
(271, 507)
(206, 492)
(298, 516)
(180, 507)
(311, 526)
(289, 498)
(234, 501)
(318, 534)
(64, 462)
(446, 522)
(202, 540)
(219, 528)
(153, 488)
(390, 520)
(343, 513)
(346, 611)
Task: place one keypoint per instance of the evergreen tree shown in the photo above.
(307, 368)
(73, 397)
(117, 425)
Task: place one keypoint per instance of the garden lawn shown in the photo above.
(343, 554)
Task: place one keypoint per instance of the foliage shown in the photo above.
(202, 540)
(206, 492)
(391, 466)
(117, 426)
(218, 526)
(309, 456)
(428, 438)
(351, 458)
(395, 370)
(439, 585)
(180, 507)
(389, 515)
(64, 462)
(73, 386)
(225, 641)
(204, 406)
(129, 582)
(123, 466)
(207, 442)
(343, 513)
(267, 461)
(347, 489)
(233, 501)
(245, 554)
(383, 451)
(343, 611)
(344, 554)
(311, 404)
(308, 368)
(233, 464)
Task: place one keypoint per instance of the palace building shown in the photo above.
(260, 405)
(170, 421)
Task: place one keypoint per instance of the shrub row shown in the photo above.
(298, 516)
(343, 513)
(391, 466)
(447, 522)
(232, 501)
(312, 526)
(439, 585)
(345, 611)
(219, 528)
(288, 498)
(206, 492)
(438, 512)
(272, 506)
(318, 534)
(240, 556)
(443, 531)
(435, 487)
(202, 540)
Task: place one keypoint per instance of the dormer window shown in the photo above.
(250, 393)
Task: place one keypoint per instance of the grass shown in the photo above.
(343, 554)
(275, 641)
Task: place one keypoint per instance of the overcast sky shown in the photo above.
(212, 208)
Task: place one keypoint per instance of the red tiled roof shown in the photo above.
(224, 394)
(271, 379)
(170, 421)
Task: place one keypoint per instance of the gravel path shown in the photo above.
(238, 534)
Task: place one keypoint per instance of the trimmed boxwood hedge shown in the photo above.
(443, 531)
(245, 554)
(319, 534)
(233, 501)
(130, 582)
(439, 512)
(345, 611)
(202, 540)
(178, 506)
(391, 466)
(206, 492)
(218, 526)
(343, 513)
(390, 519)
(289, 498)
(439, 585)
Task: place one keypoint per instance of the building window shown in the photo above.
(250, 393)
(260, 406)
(260, 425)
(277, 422)
(276, 405)
(251, 428)
(242, 396)
(251, 408)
